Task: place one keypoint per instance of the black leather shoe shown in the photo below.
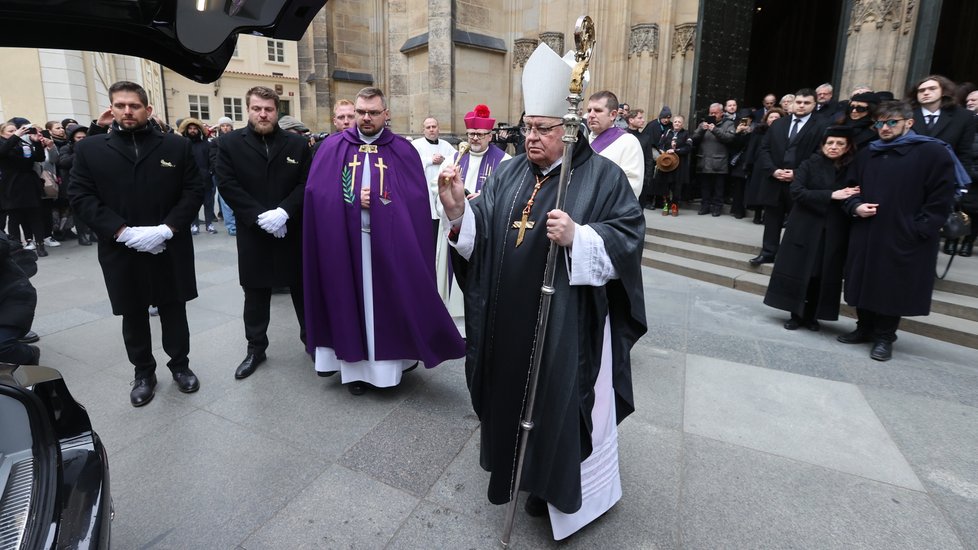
(813, 325)
(966, 248)
(83, 240)
(325, 374)
(186, 381)
(882, 350)
(35, 356)
(535, 506)
(29, 338)
(411, 368)
(248, 366)
(792, 324)
(142, 390)
(357, 388)
(854, 337)
(761, 259)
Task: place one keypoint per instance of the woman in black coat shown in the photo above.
(20, 186)
(807, 276)
(859, 118)
(751, 199)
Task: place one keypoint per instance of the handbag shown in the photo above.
(958, 225)
(51, 184)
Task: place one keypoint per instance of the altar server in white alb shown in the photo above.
(433, 152)
(613, 143)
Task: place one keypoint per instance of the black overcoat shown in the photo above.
(771, 156)
(955, 126)
(893, 255)
(140, 178)
(20, 186)
(257, 173)
(814, 242)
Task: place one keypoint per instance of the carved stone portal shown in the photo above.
(644, 38)
(555, 40)
(881, 12)
(522, 49)
(683, 39)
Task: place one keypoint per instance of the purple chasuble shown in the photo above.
(490, 160)
(410, 320)
(606, 138)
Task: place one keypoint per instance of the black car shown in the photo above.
(53, 468)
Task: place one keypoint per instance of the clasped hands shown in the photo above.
(273, 222)
(146, 238)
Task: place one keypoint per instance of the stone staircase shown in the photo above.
(716, 250)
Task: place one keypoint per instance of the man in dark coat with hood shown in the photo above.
(138, 189)
(195, 131)
(907, 184)
(261, 172)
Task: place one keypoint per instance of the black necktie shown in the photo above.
(794, 130)
(930, 120)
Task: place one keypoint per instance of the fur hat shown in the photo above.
(185, 123)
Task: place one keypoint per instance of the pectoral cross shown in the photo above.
(522, 225)
(384, 197)
(354, 165)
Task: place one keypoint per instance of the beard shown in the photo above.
(264, 127)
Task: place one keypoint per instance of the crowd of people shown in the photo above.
(398, 253)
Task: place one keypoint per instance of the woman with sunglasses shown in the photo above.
(859, 118)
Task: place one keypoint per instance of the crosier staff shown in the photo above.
(584, 40)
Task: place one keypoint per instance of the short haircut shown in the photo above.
(340, 103)
(371, 92)
(787, 97)
(263, 92)
(889, 109)
(50, 124)
(126, 86)
(825, 86)
(610, 99)
(717, 105)
(948, 89)
(774, 110)
(638, 111)
(807, 92)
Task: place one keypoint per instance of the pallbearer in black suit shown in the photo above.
(261, 173)
(139, 189)
(785, 145)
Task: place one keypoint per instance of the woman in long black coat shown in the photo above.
(807, 276)
(20, 186)
(751, 198)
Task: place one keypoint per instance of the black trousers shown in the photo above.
(11, 350)
(176, 338)
(880, 327)
(774, 217)
(257, 303)
(28, 219)
(737, 185)
(711, 186)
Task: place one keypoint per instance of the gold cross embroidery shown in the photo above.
(381, 167)
(354, 165)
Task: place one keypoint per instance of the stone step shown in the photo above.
(954, 317)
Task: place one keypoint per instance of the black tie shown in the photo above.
(930, 120)
(794, 130)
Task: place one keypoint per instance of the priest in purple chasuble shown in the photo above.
(475, 167)
(372, 307)
(500, 241)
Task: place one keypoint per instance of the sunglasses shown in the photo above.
(859, 108)
(891, 123)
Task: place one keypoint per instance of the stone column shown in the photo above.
(398, 89)
(522, 48)
(441, 60)
(315, 96)
(881, 33)
(643, 58)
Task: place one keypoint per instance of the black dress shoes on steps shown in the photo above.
(186, 381)
(143, 390)
(854, 337)
(761, 259)
(248, 366)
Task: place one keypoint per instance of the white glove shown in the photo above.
(127, 233)
(149, 238)
(280, 232)
(272, 220)
(158, 249)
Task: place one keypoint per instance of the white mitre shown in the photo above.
(546, 78)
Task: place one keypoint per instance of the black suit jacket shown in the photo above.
(773, 155)
(955, 126)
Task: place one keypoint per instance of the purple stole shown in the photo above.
(606, 138)
(489, 162)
